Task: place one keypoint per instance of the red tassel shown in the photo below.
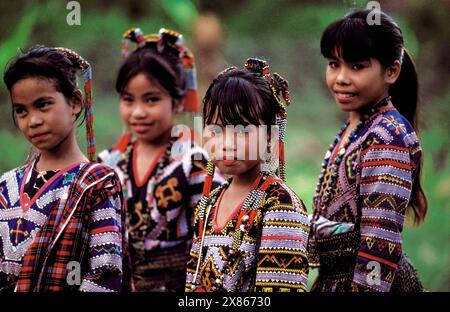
(200, 230)
(207, 186)
(191, 103)
(123, 142)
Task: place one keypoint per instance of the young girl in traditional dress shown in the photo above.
(250, 233)
(370, 175)
(155, 83)
(60, 214)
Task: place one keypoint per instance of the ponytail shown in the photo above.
(404, 91)
(418, 201)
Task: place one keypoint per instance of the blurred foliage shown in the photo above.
(287, 33)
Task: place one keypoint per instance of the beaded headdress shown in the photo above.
(172, 42)
(280, 90)
(88, 101)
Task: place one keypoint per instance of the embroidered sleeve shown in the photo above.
(106, 241)
(282, 257)
(385, 190)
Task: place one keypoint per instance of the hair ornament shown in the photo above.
(172, 42)
(88, 109)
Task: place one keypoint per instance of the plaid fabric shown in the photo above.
(160, 212)
(83, 234)
(167, 204)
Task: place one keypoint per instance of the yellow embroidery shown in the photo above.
(370, 241)
(174, 195)
(18, 231)
(391, 247)
(138, 211)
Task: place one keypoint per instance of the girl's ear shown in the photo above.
(76, 103)
(392, 72)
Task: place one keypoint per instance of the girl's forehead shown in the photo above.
(144, 83)
(28, 89)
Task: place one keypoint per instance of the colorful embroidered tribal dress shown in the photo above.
(359, 215)
(62, 230)
(261, 248)
(160, 210)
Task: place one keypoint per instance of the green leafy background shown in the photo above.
(287, 33)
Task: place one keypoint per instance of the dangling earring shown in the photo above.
(270, 164)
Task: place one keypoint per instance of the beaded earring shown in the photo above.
(270, 164)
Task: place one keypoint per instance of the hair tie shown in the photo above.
(226, 70)
(134, 35)
(258, 66)
(402, 55)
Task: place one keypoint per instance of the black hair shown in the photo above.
(240, 97)
(354, 39)
(48, 63)
(162, 67)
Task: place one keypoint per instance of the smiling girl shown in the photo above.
(370, 176)
(155, 83)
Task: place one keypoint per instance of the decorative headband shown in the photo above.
(168, 41)
(88, 109)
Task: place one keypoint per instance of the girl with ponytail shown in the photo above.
(162, 173)
(370, 177)
(61, 226)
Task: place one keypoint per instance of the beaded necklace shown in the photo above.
(329, 170)
(163, 161)
(251, 204)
